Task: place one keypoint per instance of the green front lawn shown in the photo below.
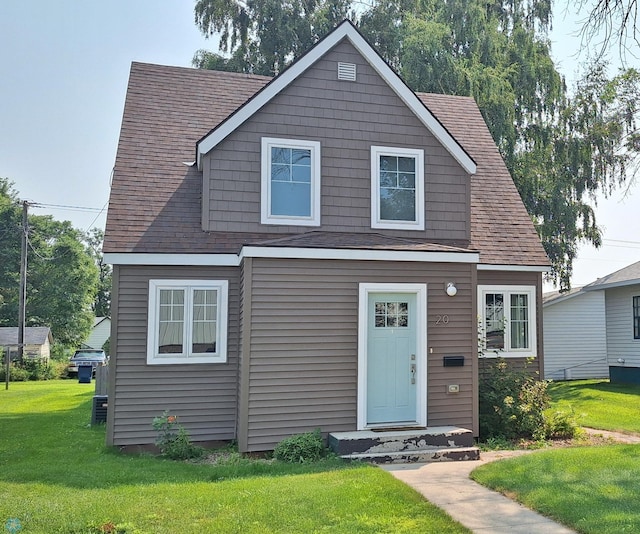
(599, 404)
(589, 489)
(56, 475)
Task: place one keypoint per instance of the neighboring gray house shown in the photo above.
(322, 263)
(621, 291)
(575, 339)
(100, 332)
(37, 341)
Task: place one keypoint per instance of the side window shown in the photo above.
(290, 183)
(187, 321)
(397, 188)
(636, 317)
(507, 320)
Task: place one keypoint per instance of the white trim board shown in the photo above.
(345, 30)
(233, 260)
(515, 268)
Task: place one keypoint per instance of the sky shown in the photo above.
(64, 67)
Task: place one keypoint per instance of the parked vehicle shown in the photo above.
(92, 357)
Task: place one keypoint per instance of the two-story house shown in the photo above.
(315, 250)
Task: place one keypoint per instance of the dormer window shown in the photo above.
(290, 182)
(397, 188)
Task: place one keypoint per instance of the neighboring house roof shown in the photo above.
(155, 203)
(554, 297)
(98, 320)
(33, 335)
(627, 276)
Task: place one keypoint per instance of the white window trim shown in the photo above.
(220, 356)
(265, 190)
(376, 221)
(533, 326)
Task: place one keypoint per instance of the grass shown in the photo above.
(589, 489)
(56, 476)
(599, 404)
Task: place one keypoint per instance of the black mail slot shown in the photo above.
(453, 361)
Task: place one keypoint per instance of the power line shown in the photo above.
(66, 207)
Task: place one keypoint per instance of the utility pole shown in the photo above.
(22, 296)
(7, 355)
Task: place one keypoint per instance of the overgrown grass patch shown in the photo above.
(56, 476)
(599, 404)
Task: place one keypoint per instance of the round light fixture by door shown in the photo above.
(451, 289)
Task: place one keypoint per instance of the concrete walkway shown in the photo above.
(448, 486)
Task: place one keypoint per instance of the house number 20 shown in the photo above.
(442, 319)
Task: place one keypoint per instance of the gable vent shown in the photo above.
(347, 71)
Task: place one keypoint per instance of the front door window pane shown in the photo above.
(392, 315)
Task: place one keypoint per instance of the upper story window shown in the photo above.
(290, 182)
(187, 321)
(636, 317)
(397, 188)
(507, 320)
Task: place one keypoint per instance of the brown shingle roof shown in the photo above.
(155, 204)
(354, 240)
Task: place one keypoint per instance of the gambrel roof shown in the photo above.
(155, 203)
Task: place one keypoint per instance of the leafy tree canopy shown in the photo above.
(102, 303)
(563, 146)
(62, 276)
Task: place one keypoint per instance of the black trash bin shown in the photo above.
(84, 374)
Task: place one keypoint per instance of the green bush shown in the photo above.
(563, 425)
(38, 369)
(16, 373)
(173, 440)
(301, 448)
(512, 403)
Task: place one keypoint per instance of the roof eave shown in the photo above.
(612, 285)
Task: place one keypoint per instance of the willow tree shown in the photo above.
(264, 36)
(563, 147)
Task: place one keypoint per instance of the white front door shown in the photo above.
(392, 363)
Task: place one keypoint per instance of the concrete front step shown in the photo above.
(452, 454)
(433, 444)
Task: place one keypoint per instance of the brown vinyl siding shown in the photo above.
(519, 278)
(302, 373)
(203, 396)
(347, 118)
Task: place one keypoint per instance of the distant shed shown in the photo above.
(37, 339)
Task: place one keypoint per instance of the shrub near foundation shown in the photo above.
(301, 448)
(173, 440)
(514, 404)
